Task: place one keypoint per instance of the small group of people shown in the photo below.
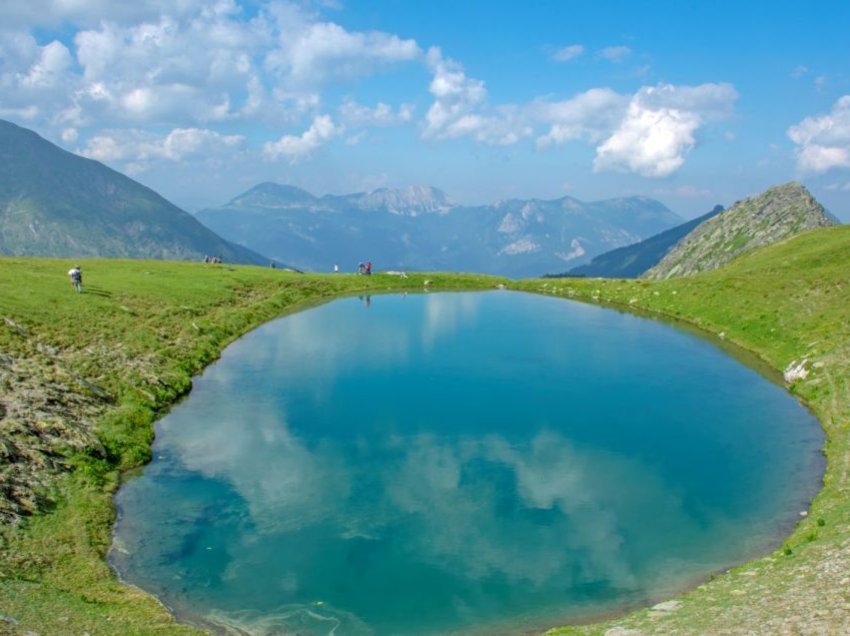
(75, 275)
(365, 268)
(212, 259)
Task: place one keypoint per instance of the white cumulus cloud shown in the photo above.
(659, 127)
(309, 53)
(126, 69)
(186, 63)
(140, 146)
(90, 12)
(591, 116)
(460, 110)
(33, 78)
(53, 62)
(823, 142)
(295, 147)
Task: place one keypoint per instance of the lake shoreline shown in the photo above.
(144, 529)
(778, 288)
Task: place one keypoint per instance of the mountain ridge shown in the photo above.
(422, 228)
(56, 203)
(778, 213)
(633, 260)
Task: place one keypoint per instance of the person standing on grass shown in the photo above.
(76, 276)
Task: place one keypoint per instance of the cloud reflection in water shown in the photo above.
(430, 457)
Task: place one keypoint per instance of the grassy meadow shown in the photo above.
(125, 349)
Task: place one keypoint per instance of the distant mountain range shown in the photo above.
(55, 203)
(775, 215)
(634, 260)
(421, 228)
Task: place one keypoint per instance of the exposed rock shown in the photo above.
(796, 371)
(667, 606)
(777, 214)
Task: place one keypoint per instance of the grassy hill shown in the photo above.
(54, 203)
(84, 376)
(778, 213)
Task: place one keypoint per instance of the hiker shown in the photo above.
(368, 268)
(336, 268)
(361, 268)
(75, 274)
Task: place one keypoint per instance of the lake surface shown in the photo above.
(451, 463)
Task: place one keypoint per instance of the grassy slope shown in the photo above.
(785, 302)
(139, 332)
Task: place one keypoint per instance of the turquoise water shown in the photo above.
(492, 462)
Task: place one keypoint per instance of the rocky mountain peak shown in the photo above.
(778, 213)
(408, 201)
(273, 195)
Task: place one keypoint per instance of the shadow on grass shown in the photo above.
(97, 291)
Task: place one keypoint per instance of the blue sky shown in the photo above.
(691, 103)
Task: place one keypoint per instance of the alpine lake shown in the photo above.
(493, 462)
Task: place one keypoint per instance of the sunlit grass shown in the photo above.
(141, 329)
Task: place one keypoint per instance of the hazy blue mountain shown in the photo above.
(633, 260)
(776, 214)
(421, 228)
(55, 203)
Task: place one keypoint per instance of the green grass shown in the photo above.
(143, 329)
(137, 334)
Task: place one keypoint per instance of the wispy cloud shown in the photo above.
(615, 53)
(568, 53)
(355, 114)
(799, 71)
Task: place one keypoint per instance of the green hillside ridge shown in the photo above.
(633, 260)
(55, 203)
(776, 214)
(84, 376)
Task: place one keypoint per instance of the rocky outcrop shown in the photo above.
(777, 214)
